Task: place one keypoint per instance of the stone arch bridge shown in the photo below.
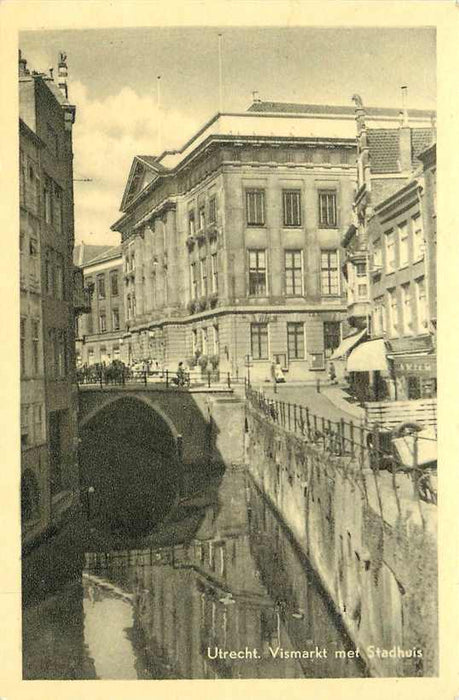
(207, 426)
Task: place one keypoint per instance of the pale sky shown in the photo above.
(112, 82)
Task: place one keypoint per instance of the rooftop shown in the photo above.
(298, 108)
(83, 253)
(384, 145)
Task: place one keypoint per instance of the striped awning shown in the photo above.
(347, 344)
(368, 357)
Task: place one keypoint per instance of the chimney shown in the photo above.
(62, 74)
(405, 135)
(22, 65)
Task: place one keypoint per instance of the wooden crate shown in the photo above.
(391, 414)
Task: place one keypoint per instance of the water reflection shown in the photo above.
(236, 583)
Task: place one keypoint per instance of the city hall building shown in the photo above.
(231, 245)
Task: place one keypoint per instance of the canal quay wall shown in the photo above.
(372, 546)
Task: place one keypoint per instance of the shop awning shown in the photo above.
(368, 357)
(347, 344)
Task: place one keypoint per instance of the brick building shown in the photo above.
(386, 253)
(99, 333)
(48, 392)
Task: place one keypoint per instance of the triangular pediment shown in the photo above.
(143, 171)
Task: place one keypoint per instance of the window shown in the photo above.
(213, 210)
(47, 193)
(327, 210)
(59, 277)
(393, 312)
(194, 281)
(362, 291)
(89, 324)
(102, 323)
(38, 423)
(295, 341)
(194, 341)
(202, 217)
(255, 207)
(216, 339)
(293, 273)
(361, 269)
(23, 345)
(116, 319)
(377, 254)
(114, 284)
(421, 304)
(33, 250)
(379, 317)
(214, 273)
(24, 425)
(35, 346)
(101, 286)
(191, 223)
(61, 353)
(332, 336)
(407, 309)
(259, 341)
(57, 208)
(291, 207)
(32, 188)
(257, 273)
(390, 251)
(403, 244)
(418, 238)
(204, 341)
(203, 274)
(329, 276)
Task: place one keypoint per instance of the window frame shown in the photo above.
(330, 270)
(293, 269)
(291, 209)
(257, 341)
(256, 273)
(255, 212)
(328, 221)
(298, 335)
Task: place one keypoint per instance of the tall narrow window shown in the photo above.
(23, 345)
(114, 284)
(191, 223)
(101, 286)
(214, 273)
(35, 347)
(418, 238)
(327, 209)
(102, 323)
(204, 341)
(259, 341)
(116, 319)
(203, 273)
(407, 309)
(390, 251)
(255, 207)
(329, 272)
(194, 281)
(377, 254)
(38, 423)
(332, 336)
(61, 353)
(59, 277)
(129, 306)
(291, 206)
(403, 244)
(216, 339)
(421, 303)
(392, 312)
(213, 209)
(57, 208)
(293, 273)
(47, 194)
(257, 273)
(202, 217)
(295, 341)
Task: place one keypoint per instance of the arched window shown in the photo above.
(30, 496)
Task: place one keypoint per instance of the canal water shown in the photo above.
(216, 590)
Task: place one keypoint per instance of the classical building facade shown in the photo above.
(231, 246)
(48, 391)
(99, 333)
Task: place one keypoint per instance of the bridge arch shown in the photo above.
(153, 405)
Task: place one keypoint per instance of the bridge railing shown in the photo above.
(103, 377)
(369, 447)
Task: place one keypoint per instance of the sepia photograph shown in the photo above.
(228, 352)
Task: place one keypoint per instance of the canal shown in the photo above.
(218, 574)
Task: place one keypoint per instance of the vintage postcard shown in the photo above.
(227, 259)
